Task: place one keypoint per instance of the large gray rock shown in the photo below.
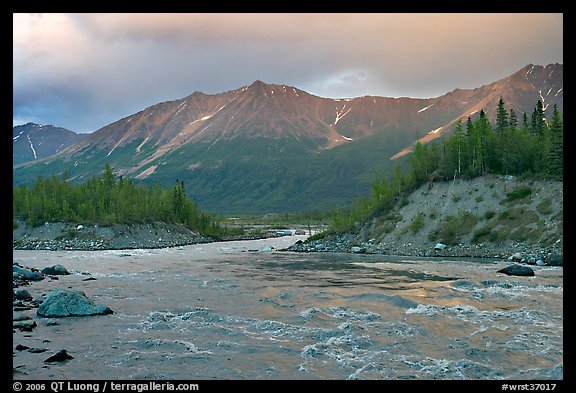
(20, 272)
(23, 294)
(556, 260)
(55, 270)
(517, 270)
(60, 356)
(18, 316)
(62, 303)
(516, 257)
(24, 325)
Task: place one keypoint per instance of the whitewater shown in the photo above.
(247, 310)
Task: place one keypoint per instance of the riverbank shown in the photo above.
(57, 236)
(487, 217)
(60, 236)
(517, 252)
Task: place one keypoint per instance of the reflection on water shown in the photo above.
(219, 311)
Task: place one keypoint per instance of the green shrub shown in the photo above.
(481, 234)
(499, 236)
(389, 227)
(394, 217)
(433, 235)
(452, 228)
(545, 206)
(317, 236)
(479, 198)
(519, 192)
(71, 233)
(403, 202)
(417, 222)
(520, 233)
(402, 232)
(489, 214)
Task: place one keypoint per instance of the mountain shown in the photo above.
(32, 141)
(268, 147)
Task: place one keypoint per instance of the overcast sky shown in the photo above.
(84, 71)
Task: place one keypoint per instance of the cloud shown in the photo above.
(83, 71)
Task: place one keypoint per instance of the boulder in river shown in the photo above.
(23, 294)
(55, 270)
(37, 350)
(20, 272)
(60, 356)
(24, 325)
(62, 303)
(517, 270)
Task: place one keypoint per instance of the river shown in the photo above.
(235, 310)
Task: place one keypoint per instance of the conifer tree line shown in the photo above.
(530, 147)
(507, 148)
(108, 200)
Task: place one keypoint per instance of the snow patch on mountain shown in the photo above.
(32, 146)
(340, 114)
(423, 109)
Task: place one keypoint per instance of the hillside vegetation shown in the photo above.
(488, 216)
(497, 211)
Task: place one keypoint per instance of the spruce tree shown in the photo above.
(525, 124)
(513, 122)
(458, 145)
(538, 119)
(501, 117)
(554, 158)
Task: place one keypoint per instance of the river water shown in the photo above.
(232, 311)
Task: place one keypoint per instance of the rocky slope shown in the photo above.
(491, 216)
(72, 236)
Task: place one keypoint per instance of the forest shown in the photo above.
(108, 200)
(529, 147)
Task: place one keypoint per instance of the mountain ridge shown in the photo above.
(32, 141)
(286, 134)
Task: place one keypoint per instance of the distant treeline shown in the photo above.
(526, 147)
(107, 200)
